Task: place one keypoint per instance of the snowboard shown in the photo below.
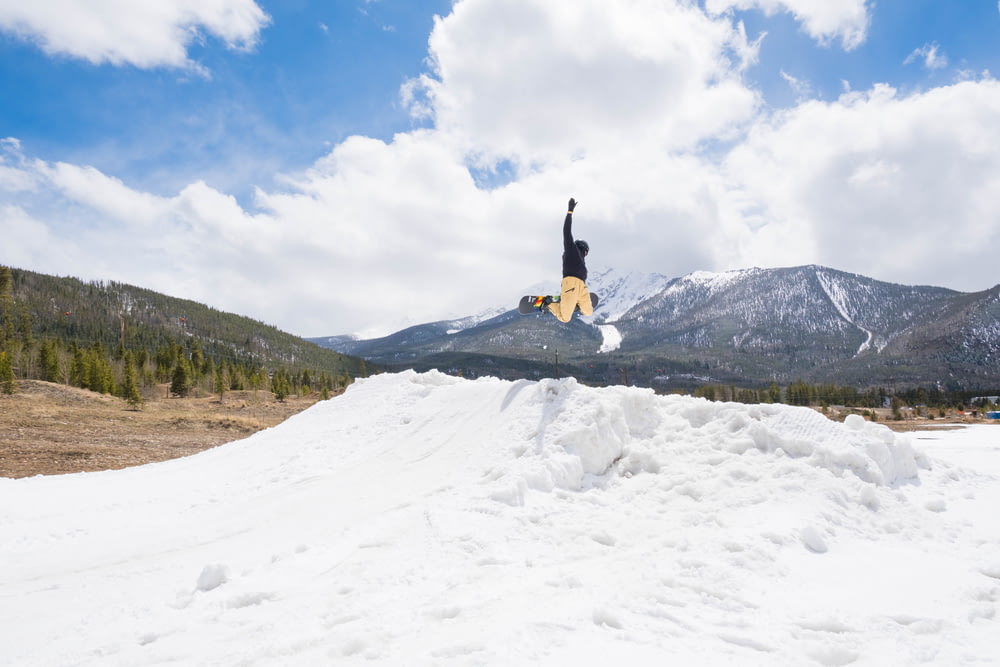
(533, 304)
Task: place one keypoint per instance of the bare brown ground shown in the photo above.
(912, 421)
(49, 429)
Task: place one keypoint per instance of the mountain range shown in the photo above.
(746, 327)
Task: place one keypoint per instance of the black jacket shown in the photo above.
(573, 262)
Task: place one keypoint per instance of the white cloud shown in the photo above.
(26, 238)
(101, 193)
(823, 20)
(143, 34)
(539, 83)
(13, 177)
(901, 188)
(930, 55)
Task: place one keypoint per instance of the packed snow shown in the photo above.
(422, 519)
(611, 338)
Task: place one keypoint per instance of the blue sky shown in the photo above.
(274, 159)
(321, 72)
(966, 34)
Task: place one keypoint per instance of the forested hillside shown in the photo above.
(116, 338)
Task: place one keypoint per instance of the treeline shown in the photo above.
(124, 373)
(797, 393)
(821, 395)
(116, 339)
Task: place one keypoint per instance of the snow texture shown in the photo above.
(421, 519)
(611, 338)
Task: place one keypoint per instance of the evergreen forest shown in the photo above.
(119, 339)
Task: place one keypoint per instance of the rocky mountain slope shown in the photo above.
(746, 327)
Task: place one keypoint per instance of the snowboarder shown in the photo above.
(575, 293)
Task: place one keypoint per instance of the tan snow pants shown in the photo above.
(574, 293)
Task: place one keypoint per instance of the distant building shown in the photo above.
(981, 400)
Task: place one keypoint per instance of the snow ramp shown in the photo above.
(423, 519)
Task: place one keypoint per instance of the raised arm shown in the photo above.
(568, 226)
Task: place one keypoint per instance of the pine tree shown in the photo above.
(258, 379)
(180, 385)
(49, 361)
(208, 370)
(8, 384)
(220, 381)
(95, 379)
(101, 377)
(78, 373)
(281, 385)
(197, 360)
(166, 361)
(236, 378)
(130, 385)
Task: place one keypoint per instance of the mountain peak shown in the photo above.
(746, 326)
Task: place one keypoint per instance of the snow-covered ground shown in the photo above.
(421, 519)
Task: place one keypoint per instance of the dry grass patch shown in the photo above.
(48, 429)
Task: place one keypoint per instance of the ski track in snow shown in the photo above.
(611, 338)
(837, 298)
(421, 519)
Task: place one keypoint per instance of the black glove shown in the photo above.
(572, 204)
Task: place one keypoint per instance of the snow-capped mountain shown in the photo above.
(746, 326)
(621, 291)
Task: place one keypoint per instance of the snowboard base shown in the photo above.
(533, 304)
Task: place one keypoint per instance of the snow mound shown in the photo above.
(559, 434)
(426, 519)
(565, 435)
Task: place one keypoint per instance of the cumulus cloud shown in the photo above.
(143, 34)
(539, 83)
(891, 186)
(194, 244)
(825, 21)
